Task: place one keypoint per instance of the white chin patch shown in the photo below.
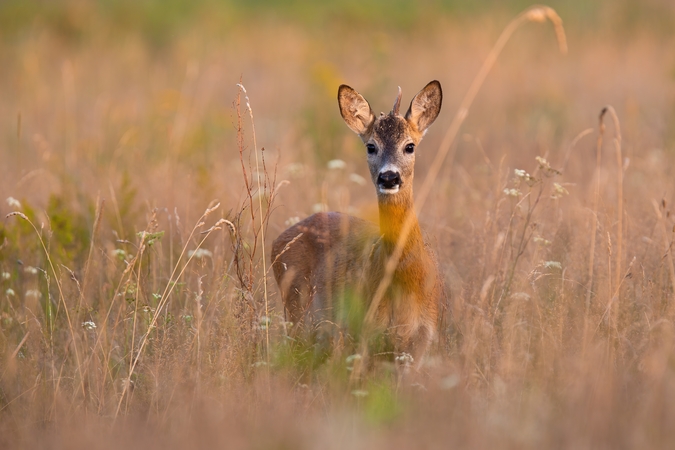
(388, 191)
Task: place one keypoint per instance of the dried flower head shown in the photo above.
(545, 167)
(558, 191)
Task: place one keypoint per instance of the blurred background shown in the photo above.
(544, 343)
(105, 95)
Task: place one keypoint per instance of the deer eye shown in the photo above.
(410, 148)
(371, 149)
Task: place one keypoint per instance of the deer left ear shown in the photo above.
(425, 107)
(355, 111)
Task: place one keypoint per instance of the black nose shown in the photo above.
(389, 179)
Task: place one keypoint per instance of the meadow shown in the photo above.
(151, 151)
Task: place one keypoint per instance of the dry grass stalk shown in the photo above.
(262, 219)
(164, 297)
(62, 298)
(594, 212)
(668, 249)
(536, 14)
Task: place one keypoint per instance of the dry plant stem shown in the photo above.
(596, 196)
(63, 299)
(616, 293)
(245, 279)
(103, 333)
(97, 223)
(668, 254)
(199, 316)
(118, 216)
(28, 391)
(262, 224)
(532, 14)
(133, 326)
(619, 175)
(522, 244)
(165, 296)
(284, 250)
(609, 277)
(18, 347)
(578, 137)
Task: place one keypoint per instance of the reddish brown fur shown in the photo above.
(327, 256)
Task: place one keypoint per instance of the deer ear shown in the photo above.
(355, 110)
(425, 107)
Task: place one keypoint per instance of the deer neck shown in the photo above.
(393, 214)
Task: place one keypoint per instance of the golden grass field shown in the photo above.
(136, 314)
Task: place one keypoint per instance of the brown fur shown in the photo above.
(328, 256)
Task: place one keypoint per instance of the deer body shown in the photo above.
(330, 258)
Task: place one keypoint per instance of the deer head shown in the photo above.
(391, 139)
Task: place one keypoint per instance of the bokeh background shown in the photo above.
(105, 88)
(133, 104)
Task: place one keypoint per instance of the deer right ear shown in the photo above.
(355, 110)
(425, 107)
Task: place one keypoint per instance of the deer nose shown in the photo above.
(389, 179)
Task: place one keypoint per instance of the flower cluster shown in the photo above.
(546, 168)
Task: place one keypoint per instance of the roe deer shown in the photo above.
(327, 257)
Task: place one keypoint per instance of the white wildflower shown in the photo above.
(405, 358)
(541, 241)
(265, 322)
(292, 221)
(553, 265)
(6, 275)
(31, 270)
(335, 164)
(450, 381)
(512, 192)
(200, 253)
(13, 203)
(89, 325)
(33, 293)
(10, 292)
(523, 176)
(520, 173)
(319, 207)
(520, 296)
(351, 358)
(295, 170)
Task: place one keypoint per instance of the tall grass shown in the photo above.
(135, 309)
